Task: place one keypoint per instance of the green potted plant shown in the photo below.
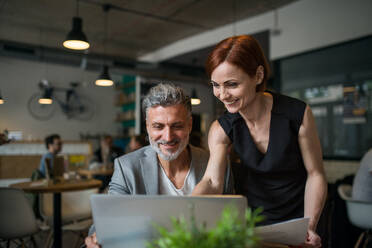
(230, 231)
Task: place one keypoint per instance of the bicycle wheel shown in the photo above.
(80, 108)
(39, 111)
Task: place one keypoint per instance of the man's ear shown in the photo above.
(259, 74)
(147, 126)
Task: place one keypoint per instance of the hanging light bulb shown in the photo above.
(104, 79)
(46, 97)
(76, 39)
(194, 98)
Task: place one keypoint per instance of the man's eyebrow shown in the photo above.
(157, 123)
(177, 123)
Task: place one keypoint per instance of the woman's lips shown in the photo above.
(229, 103)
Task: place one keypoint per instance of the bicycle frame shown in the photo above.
(65, 106)
(73, 105)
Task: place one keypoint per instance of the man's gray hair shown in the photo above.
(165, 95)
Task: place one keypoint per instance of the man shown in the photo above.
(53, 144)
(4, 138)
(169, 165)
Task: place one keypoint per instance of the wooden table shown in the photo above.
(90, 173)
(43, 186)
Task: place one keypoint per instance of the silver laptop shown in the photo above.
(128, 221)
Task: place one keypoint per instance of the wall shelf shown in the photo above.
(126, 101)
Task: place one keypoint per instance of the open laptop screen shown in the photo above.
(128, 221)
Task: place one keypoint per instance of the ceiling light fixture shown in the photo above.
(194, 98)
(76, 39)
(46, 98)
(1, 99)
(104, 79)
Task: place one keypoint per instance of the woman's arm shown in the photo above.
(316, 185)
(213, 179)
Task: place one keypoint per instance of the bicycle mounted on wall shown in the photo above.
(42, 105)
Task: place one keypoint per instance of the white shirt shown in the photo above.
(166, 186)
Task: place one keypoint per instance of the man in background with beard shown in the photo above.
(169, 165)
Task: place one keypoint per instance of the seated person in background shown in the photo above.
(169, 165)
(107, 152)
(136, 142)
(104, 158)
(362, 185)
(53, 144)
(3, 138)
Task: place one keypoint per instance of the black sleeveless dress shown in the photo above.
(274, 180)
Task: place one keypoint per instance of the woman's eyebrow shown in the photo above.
(227, 81)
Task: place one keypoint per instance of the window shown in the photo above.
(337, 83)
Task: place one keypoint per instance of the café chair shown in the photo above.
(76, 213)
(359, 213)
(17, 219)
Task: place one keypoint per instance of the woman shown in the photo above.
(274, 135)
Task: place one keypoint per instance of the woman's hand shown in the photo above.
(312, 240)
(91, 241)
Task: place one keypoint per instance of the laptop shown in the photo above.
(128, 220)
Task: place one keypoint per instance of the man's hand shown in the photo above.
(91, 241)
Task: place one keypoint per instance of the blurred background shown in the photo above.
(79, 68)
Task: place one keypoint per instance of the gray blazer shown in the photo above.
(137, 172)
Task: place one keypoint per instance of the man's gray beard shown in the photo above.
(171, 156)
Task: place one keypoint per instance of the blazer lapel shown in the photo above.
(149, 169)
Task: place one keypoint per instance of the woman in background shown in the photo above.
(274, 135)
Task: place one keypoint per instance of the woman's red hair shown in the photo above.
(242, 51)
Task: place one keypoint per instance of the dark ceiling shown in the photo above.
(135, 27)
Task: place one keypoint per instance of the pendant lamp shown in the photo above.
(46, 98)
(194, 98)
(76, 39)
(1, 99)
(104, 79)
